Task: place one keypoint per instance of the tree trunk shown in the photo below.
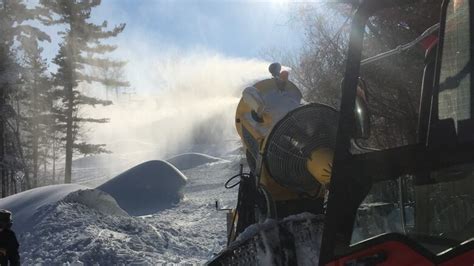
(24, 184)
(69, 135)
(2, 141)
(45, 168)
(35, 136)
(20, 147)
(7, 183)
(54, 159)
(11, 181)
(35, 159)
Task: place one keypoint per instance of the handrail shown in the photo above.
(402, 47)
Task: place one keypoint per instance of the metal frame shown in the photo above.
(338, 213)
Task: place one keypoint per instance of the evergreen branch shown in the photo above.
(108, 82)
(82, 99)
(34, 32)
(91, 120)
(100, 48)
(101, 62)
(89, 149)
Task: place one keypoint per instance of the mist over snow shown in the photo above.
(180, 101)
(184, 87)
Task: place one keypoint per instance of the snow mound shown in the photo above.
(25, 204)
(190, 160)
(147, 188)
(97, 200)
(88, 226)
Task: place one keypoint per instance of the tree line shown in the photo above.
(41, 125)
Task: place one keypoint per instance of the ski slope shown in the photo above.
(71, 223)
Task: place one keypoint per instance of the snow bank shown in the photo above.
(147, 188)
(25, 204)
(70, 224)
(190, 160)
(88, 226)
(97, 200)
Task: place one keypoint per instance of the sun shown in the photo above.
(279, 3)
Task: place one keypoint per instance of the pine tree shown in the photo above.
(8, 161)
(81, 48)
(36, 112)
(13, 15)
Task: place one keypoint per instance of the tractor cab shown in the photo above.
(406, 197)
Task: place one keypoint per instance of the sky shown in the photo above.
(232, 28)
(237, 28)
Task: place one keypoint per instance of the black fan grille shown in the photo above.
(292, 140)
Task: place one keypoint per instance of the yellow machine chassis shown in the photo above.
(278, 192)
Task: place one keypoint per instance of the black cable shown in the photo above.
(241, 175)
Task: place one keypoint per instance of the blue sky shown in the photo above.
(232, 28)
(167, 34)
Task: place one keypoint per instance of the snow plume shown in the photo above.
(183, 102)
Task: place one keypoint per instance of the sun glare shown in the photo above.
(279, 3)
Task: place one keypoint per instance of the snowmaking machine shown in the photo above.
(289, 158)
(316, 196)
(289, 146)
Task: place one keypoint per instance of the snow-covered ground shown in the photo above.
(67, 223)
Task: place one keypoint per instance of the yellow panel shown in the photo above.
(320, 165)
(280, 193)
(261, 86)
